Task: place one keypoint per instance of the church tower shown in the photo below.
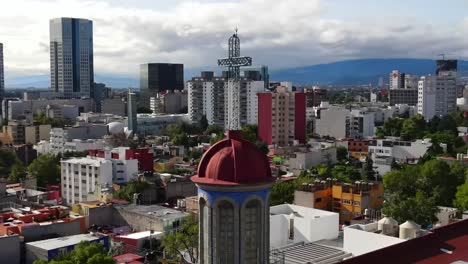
(234, 182)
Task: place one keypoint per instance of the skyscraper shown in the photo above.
(71, 56)
(159, 77)
(2, 78)
(132, 112)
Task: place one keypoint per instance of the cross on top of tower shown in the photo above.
(234, 60)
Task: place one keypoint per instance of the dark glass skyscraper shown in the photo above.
(71, 56)
(159, 77)
(2, 78)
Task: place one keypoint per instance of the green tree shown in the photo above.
(420, 208)
(262, 146)
(180, 139)
(341, 153)
(461, 197)
(368, 169)
(7, 160)
(126, 192)
(18, 171)
(203, 123)
(345, 173)
(214, 129)
(282, 192)
(249, 132)
(217, 138)
(84, 253)
(392, 127)
(413, 128)
(182, 241)
(46, 169)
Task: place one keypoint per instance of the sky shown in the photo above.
(277, 33)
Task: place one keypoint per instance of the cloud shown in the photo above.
(279, 33)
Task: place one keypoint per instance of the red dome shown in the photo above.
(233, 161)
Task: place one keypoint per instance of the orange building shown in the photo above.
(349, 200)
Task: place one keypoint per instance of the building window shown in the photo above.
(225, 224)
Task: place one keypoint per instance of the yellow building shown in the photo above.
(349, 200)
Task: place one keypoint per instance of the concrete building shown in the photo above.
(403, 96)
(20, 109)
(209, 96)
(70, 112)
(339, 123)
(396, 80)
(75, 145)
(290, 224)
(282, 117)
(50, 248)
(350, 201)
(22, 132)
(360, 124)
(315, 96)
(401, 151)
(411, 81)
(169, 102)
(2, 77)
(159, 77)
(59, 137)
(132, 113)
(10, 248)
(115, 106)
(437, 95)
(83, 178)
(150, 217)
(71, 57)
(234, 202)
(151, 124)
(302, 160)
(332, 122)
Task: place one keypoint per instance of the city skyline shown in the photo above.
(192, 33)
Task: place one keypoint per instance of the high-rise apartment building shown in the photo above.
(71, 57)
(159, 77)
(209, 95)
(315, 96)
(397, 80)
(282, 117)
(2, 77)
(437, 95)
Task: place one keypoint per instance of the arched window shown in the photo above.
(225, 236)
(253, 225)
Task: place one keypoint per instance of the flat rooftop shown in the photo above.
(140, 235)
(287, 209)
(305, 253)
(155, 211)
(60, 242)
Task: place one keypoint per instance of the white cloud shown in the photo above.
(279, 33)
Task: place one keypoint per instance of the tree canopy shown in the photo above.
(182, 241)
(461, 197)
(414, 192)
(46, 169)
(84, 253)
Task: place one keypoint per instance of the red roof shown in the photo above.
(233, 161)
(129, 259)
(445, 244)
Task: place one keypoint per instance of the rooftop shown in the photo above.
(287, 209)
(155, 211)
(446, 244)
(140, 235)
(305, 253)
(60, 242)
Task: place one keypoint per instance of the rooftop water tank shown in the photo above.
(388, 226)
(409, 230)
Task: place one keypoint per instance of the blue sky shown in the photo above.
(279, 33)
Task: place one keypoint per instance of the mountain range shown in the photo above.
(350, 72)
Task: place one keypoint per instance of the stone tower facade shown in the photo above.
(234, 182)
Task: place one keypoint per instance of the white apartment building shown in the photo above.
(59, 137)
(76, 145)
(81, 178)
(210, 97)
(401, 151)
(437, 95)
(396, 79)
(339, 122)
